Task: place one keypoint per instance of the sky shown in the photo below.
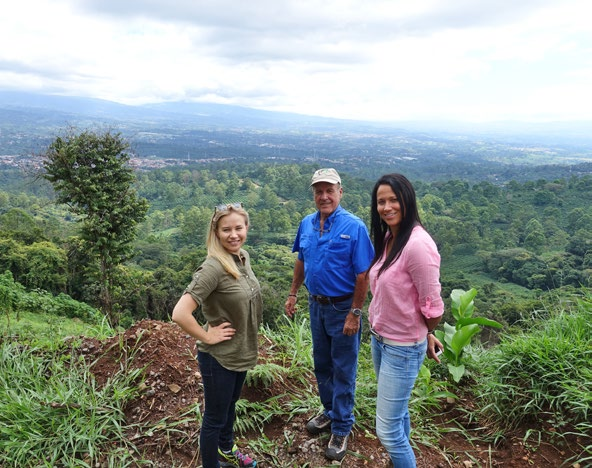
(381, 60)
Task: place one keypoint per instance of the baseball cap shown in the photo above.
(326, 175)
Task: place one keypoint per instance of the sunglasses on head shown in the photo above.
(227, 206)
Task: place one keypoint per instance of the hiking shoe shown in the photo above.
(319, 424)
(336, 448)
(235, 458)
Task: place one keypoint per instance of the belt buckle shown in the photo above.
(323, 300)
(376, 335)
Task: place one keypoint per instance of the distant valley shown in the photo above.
(182, 133)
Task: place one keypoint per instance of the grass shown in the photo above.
(48, 330)
(289, 365)
(463, 260)
(52, 413)
(546, 369)
(543, 376)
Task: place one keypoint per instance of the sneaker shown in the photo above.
(319, 424)
(235, 458)
(336, 448)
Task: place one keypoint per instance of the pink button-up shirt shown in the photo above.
(407, 291)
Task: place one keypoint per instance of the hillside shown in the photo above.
(167, 431)
(521, 244)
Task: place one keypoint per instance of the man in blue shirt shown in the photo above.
(334, 252)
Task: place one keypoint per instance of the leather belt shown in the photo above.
(326, 300)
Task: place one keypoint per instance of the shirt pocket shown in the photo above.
(305, 244)
(339, 253)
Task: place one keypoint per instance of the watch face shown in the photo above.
(357, 312)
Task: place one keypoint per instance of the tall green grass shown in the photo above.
(53, 414)
(543, 376)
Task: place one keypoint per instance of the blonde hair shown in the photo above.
(213, 244)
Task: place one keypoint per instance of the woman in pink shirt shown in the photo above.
(406, 306)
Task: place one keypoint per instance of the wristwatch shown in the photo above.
(356, 312)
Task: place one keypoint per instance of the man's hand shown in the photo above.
(290, 306)
(352, 324)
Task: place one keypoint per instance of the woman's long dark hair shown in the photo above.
(405, 193)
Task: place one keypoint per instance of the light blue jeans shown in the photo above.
(396, 368)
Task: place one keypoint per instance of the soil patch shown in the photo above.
(172, 392)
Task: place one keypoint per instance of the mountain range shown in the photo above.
(208, 131)
(68, 108)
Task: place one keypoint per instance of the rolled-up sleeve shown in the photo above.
(423, 261)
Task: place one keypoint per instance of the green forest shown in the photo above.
(525, 247)
(518, 243)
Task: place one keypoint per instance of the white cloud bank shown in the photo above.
(357, 59)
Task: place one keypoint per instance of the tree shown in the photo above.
(534, 236)
(17, 224)
(580, 243)
(91, 175)
(45, 267)
(543, 198)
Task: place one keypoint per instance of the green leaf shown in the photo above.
(479, 321)
(466, 302)
(456, 371)
(455, 302)
(463, 337)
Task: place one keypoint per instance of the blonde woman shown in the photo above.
(229, 295)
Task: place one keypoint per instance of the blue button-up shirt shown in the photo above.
(332, 261)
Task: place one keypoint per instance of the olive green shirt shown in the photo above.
(224, 298)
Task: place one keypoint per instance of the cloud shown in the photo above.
(371, 59)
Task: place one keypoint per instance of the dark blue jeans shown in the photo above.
(335, 362)
(222, 389)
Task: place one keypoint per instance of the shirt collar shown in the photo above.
(239, 259)
(331, 217)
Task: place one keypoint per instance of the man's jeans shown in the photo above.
(396, 368)
(222, 389)
(335, 362)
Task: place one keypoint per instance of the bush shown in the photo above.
(15, 298)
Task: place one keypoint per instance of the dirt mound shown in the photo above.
(172, 388)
